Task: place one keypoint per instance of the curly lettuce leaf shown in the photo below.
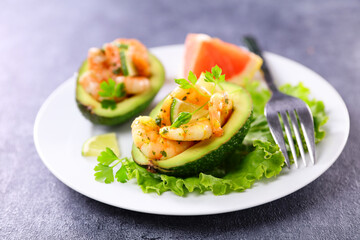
(264, 161)
(257, 158)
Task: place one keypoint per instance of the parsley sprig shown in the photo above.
(104, 171)
(190, 83)
(110, 90)
(215, 77)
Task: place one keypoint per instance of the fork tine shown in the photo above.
(295, 125)
(307, 125)
(276, 131)
(289, 136)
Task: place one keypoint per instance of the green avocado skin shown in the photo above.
(210, 160)
(110, 121)
(213, 158)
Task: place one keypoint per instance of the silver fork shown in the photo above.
(282, 106)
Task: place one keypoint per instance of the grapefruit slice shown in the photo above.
(203, 52)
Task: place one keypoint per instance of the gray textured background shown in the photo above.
(42, 44)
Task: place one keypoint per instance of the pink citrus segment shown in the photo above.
(203, 52)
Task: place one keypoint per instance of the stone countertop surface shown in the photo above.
(42, 44)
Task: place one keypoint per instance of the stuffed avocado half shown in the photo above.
(206, 154)
(125, 102)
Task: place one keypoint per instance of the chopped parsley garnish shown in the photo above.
(158, 121)
(117, 71)
(164, 131)
(163, 153)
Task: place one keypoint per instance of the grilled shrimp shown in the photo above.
(134, 85)
(196, 131)
(220, 108)
(146, 137)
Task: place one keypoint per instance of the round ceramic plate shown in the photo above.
(60, 130)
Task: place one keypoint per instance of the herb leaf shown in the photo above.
(209, 77)
(216, 71)
(107, 157)
(121, 175)
(110, 90)
(190, 83)
(215, 76)
(107, 88)
(184, 84)
(163, 153)
(104, 170)
(192, 78)
(104, 173)
(222, 78)
(158, 121)
(119, 90)
(108, 104)
(183, 118)
(117, 71)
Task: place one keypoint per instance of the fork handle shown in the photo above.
(254, 47)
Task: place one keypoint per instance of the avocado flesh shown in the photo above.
(125, 109)
(207, 154)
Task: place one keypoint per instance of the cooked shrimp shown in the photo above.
(104, 64)
(98, 65)
(220, 108)
(96, 60)
(90, 83)
(164, 114)
(139, 55)
(192, 95)
(112, 54)
(134, 85)
(146, 137)
(196, 131)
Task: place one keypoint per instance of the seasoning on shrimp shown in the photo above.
(220, 108)
(162, 138)
(147, 138)
(109, 63)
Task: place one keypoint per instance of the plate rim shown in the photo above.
(276, 197)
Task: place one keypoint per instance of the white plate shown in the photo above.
(60, 130)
